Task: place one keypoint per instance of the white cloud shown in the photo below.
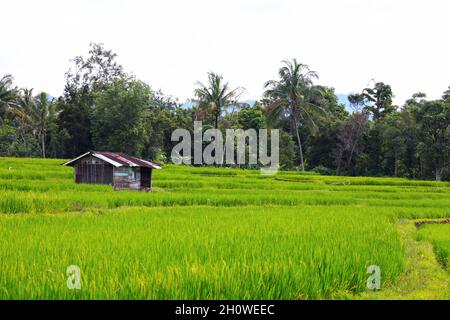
(173, 43)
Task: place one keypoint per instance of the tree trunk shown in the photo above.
(439, 173)
(43, 145)
(349, 162)
(395, 165)
(299, 141)
(421, 167)
(338, 168)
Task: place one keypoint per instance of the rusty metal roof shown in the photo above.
(117, 159)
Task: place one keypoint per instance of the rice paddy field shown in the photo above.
(439, 236)
(218, 233)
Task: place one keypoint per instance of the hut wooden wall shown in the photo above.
(93, 170)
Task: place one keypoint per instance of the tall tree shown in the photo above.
(8, 95)
(52, 136)
(356, 101)
(87, 77)
(291, 96)
(433, 118)
(446, 95)
(350, 137)
(32, 114)
(216, 96)
(119, 118)
(41, 113)
(23, 111)
(166, 115)
(395, 129)
(319, 144)
(94, 72)
(251, 117)
(379, 100)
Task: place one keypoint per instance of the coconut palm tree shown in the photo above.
(23, 109)
(216, 96)
(40, 116)
(8, 94)
(291, 96)
(33, 113)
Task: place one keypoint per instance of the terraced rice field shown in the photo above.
(210, 233)
(439, 236)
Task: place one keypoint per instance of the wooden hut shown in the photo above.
(119, 170)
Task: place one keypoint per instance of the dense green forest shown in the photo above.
(103, 107)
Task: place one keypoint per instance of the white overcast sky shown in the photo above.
(170, 44)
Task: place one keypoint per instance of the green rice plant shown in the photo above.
(206, 233)
(197, 253)
(439, 236)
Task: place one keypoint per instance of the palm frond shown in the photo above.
(216, 96)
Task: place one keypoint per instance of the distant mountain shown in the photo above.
(190, 104)
(342, 98)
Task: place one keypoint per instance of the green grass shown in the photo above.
(439, 236)
(197, 252)
(423, 277)
(206, 233)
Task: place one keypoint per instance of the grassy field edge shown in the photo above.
(424, 276)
